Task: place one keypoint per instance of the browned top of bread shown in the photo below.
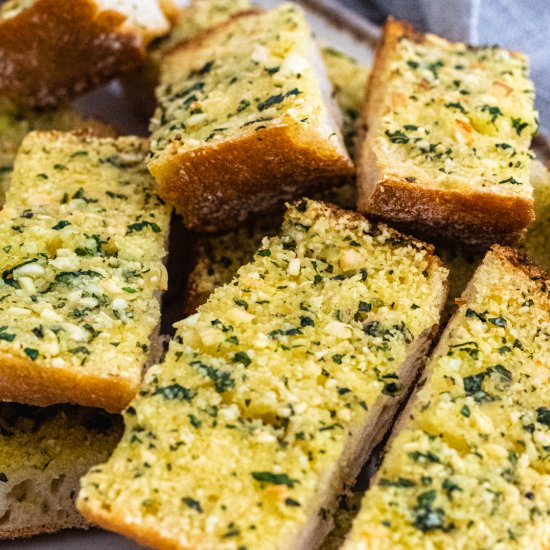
(49, 52)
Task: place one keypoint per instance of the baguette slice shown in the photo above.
(273, 394)
(245, 121)
(16, 122)
(468, 465)
(449, 126)
(81, 262)
(49, 53)
(43, 454)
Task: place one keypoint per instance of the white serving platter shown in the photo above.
(333, 25)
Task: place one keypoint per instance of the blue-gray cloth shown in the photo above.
(521, 25)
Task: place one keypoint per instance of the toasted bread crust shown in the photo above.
(476, 217)
(135, 531)
(25, 381)
(66, 51)
(217, 187)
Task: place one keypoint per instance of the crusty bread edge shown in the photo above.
(134, 530)
(480, 217)
(211, 200)
(31, 382)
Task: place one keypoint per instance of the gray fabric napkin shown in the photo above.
(522, 25)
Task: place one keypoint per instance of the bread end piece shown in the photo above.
(97, 43)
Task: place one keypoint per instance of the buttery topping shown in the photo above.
(232, 438)
(257, 73)
(457, 116)
(469, 468)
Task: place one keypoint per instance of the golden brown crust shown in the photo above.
(49, 53)
(30, 382)
(135, 531)
(218, 187)
(477, 217)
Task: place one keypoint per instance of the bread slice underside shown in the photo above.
(274, 393)
(446, 152)
(49, 53)
(245, 120)
(43, 454)
(82, 267)
(467, 466)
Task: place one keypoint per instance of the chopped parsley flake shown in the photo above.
(274, 479)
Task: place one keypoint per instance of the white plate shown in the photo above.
(333, 25)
